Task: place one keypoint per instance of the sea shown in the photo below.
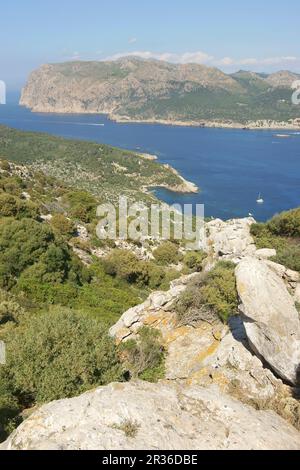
(231, 167)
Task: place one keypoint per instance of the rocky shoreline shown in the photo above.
(265, 124)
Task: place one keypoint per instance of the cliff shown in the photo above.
(131, 89)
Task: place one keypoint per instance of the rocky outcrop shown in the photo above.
(231, 239)
(141, 415)
(270, 317)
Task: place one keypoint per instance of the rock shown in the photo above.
(231, 239)
(152, 312)
(288, 275)
(163, 416)
(2, 352)
(297, 294)
(82, 233)
(265, 253)
(292, 276)
(271, 320)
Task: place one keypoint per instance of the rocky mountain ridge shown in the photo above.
(131, 89)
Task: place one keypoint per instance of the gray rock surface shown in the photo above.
(163, 416)
(265, 253)
(231, 239)
(270, 317)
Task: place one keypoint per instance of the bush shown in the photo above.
(10, 310)
(8, 205)
(219, 290)
(11, 206)
(4, 165)
(289, 256)
(63, 226)
(167, 253)
(58, 355)
(123, 264)
(30, 257)
(286, 224)
(288, 249)
(9, 411)
(209, 296)
(82, 205)
(193, 260)
(144, 358)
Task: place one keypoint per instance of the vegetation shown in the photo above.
(282, 233)
(129, 427)
(52, 356)
(167, 253)
(126, 266)
(96, 168)
(209, 296)
(144, 357)
(55, 309)
(193, 260)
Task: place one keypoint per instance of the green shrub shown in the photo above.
(144, 357)
(209, 296)
(5, 165)
(10, 310)
(193, 260)
(58, 355)
(167, 253)
(219, 290)
(286, 224)
(288, 249)
(32, 259)
(9, 410)
(289, 256)
(82, 205)
(124, 264)
(11, 206)
(63, 226)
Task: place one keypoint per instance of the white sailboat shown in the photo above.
(260, 200)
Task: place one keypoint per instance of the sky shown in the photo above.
(261, 35)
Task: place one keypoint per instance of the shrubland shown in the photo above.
(282, 233)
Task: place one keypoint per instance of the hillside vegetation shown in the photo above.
(105, 171)
(61, 288)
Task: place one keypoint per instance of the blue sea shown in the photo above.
(231, 167)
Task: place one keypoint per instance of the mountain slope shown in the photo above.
(136, 89)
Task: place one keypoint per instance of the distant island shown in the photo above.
(135, 90)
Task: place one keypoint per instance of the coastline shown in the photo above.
(293, 125)
(260, 124)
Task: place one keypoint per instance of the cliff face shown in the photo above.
(136, 89)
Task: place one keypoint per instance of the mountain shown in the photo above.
(151, 90)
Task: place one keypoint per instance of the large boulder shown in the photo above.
(231, 239)
(270, 317)
(163, 416)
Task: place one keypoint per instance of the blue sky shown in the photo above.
(258, 35)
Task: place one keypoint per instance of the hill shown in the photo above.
(150, 90)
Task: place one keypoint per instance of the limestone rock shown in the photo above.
(265, 253)
(164, 416)
(231, 239)
(297, 294)
(270, 317)
(151, 313)
(288, 275)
